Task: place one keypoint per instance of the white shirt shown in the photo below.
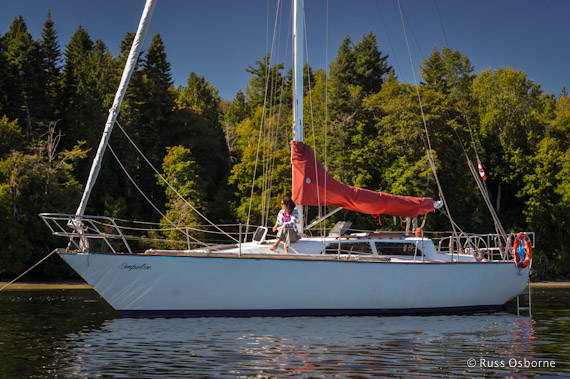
(293, 217)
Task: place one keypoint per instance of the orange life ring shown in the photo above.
(522, 249)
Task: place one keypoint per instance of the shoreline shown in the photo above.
(84, 286)
(45, 286)
(550, 284)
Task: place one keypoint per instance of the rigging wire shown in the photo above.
(321, 203)
(168, 184)
(271, 144)
(441, 22)
(388, 37)
(324, 227)
(480, 184)
(269, 127)
(263, 115)
(148, 200)
(312, 112)
(431, 161)
(404, 15)
(275, 136)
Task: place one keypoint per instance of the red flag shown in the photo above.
(481, 171)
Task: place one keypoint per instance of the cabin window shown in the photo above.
(349, 248)
(397, 248)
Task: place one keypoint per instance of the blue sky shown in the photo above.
(220, 38)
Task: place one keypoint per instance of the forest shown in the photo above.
(365, 125)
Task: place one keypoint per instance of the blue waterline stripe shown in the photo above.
(303, 312)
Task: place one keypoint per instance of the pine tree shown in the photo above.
(361, 66)
(202, 95)
(346, 62)
(25, 96)
(51, 58)
(76, 52)
(265, 84)
(156, 66)
(155, 103)
(198, 123)
(433, 72)
(156, 99)
(450, 73)
(370, 66)
(74, 86)
(342, 73)
(4, 78)
(239, 109)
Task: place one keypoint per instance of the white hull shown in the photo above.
(155, 285)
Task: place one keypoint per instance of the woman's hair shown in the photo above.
(289, 203)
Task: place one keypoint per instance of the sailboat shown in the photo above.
(366, 273)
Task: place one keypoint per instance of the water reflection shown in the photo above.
(34, 327)
(394, 346)
(73, 335)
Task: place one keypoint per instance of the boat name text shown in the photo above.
(126, 266)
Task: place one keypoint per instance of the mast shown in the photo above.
(298, 35)
(114, 111)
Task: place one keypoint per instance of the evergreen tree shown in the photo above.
(265, 84)
(433, 72)
(88, 87)
(74, 85)
(345, 62)
(76, 52)
(25, 96)
(155, 100)
(197, 124)
(157, 97)
(51, 58)
(4, 78)
(145, 114)
(450, 73)
(370, 67)
(238, 110)
(459, 73)
(342, 73)
(201, 95)
(156, 67)
(114, 194)
(357, 71)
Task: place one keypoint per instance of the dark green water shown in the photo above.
(74, 334)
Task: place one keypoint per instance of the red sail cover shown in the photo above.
(306, 192)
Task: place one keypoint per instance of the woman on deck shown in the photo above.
(286, 224)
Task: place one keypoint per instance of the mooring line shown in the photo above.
(30, 269)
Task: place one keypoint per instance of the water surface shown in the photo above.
(73, 333)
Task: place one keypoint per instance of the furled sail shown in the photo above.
(310, 190)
